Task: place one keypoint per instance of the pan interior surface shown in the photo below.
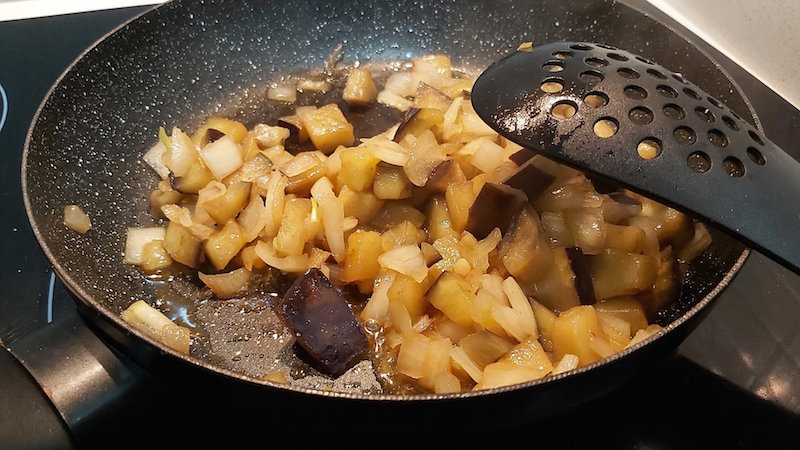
(188, 60)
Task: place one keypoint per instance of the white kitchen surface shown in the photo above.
(759, 35)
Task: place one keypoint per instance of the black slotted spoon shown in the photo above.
(626, 119)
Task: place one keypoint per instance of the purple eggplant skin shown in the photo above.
(495, 206)
(323, 323)
(530, 179)
(583, 277)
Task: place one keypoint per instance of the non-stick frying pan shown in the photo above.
(187, 60)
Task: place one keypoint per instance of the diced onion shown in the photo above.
(282, 93)
(77, 220)
(268, 136)
(153, 158)
(274, 202)
(305, 84)
(394, 101)
(401, 84)
(521, 305)
(253, 218)
(288, 264)
(487, 156)
(461, 358)
(222, 157)
(182, 153)
(156, 325)
(183, 217)
(227, 285)
(349, 223)
(136, 239)
(332, 212)
(568, 362)
(406, 259)
(300, 164)
(377, 307)
(387, 150)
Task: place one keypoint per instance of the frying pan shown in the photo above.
(186, 60)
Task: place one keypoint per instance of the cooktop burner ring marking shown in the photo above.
(4, 113)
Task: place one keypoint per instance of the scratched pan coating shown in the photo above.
(186, 60)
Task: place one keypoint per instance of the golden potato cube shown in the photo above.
(459, 197)
(402, 234)
(452, 295)
(224, 244)
(360, 89)
(525, 362)
(292, 237)
(182, 246)
(215, 127)
(155, 257)
(327, 128)
(626, 308)
(358, 168)
(228, 205)
(410, 293)
(362, 205)
(391, 182)
(616, 273)
(361, 258)
(573, 331)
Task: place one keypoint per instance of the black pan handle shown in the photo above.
(28, 420)
(84, 378)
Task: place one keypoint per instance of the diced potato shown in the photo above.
(255, 169)
(418, 121)
(410, 293)
(268, 136)
(616, 273)
(459, 197)
(525, 362)
(292, 236)
(617, 330)
(391, 182)
(155, 257)
(438, 224)
(430, 97)
(327, 128)
(363, 205)
(411, 358)
(250, 259)
(358, 168)
(228, 205)
(626, 308)
(195, 179)
(156, 325)
(359, 88)
(215, 127)
(588, 229)
(628, 239)
(182, 246)
(403, 233)
(395, 212)
(524, 254)
(573, 332)
(224, 244)
(484, 347)
(361, 259)
(452, 295)
(163, 195)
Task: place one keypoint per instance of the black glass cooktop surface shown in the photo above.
(735, 382)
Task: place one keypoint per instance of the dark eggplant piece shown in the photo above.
(530, 179)
(297, 133)
(583, 276)
(323, 323)
(603, 185)
(443, 175)
(522, 156)
(495, 206)
(197, 178)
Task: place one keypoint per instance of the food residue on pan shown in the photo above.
(435, 256)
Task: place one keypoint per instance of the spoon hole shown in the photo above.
(551, 86)
(649, 148)
(699, 162)
(564, 110)
(733, 166)
(595, 99)
(606, 127)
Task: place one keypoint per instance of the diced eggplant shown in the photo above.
(445, 174)
(495, 207)
(228, 205)
(323, 323)
(618, 273)
(530, 179)
(391, 182)
(195, 179)
(297, 132)
(418, 120)
(429, 97)
(583, 277)
(522, 156)
(618, 207)
(182, 246)
(603, 185)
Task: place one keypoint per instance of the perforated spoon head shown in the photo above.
(624, 118)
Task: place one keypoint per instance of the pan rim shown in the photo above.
(107, 315)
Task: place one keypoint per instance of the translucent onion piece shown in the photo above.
(156, 325)
(153, 158)
(332, 212)
(393, 100)
(227, 285)
(222, 157)
(136, 239)
(288, 264)
(406, 259)
(77, 220)
(253, 218)
(377, 307)
(181, 154)
(282, 93)
(304, 84)
(568, 362)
